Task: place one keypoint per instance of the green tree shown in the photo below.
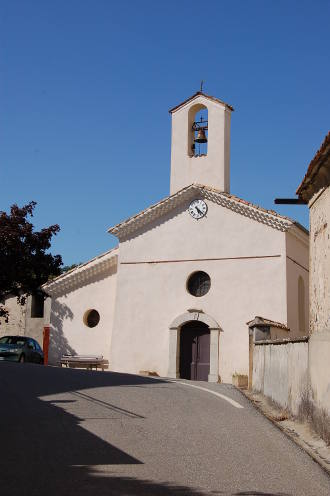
(25, 263)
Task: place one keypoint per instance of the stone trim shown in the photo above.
(270, 218)
(174, 342)
(198, 315)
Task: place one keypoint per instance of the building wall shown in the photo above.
(320, 262)
(68, 333)
(34, 325)
(319, 369)
(297, 251)
(152, 276)
(16, 320)
(20, 321)
(319, 353)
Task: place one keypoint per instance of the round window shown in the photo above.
(199, 283)
(91, 318)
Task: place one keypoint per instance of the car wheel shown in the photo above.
(22, 359)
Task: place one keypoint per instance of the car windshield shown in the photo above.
(17, 340)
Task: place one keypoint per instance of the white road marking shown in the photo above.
(232, 402)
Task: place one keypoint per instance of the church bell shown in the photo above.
(201, 136)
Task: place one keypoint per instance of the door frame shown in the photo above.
(174, 343)
(192, 340)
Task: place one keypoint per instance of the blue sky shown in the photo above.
(85, 88)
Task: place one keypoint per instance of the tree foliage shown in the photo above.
(25, 263)
(66, 268)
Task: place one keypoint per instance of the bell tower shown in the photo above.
(200, 147)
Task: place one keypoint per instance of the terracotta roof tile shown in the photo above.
(322, 158)
(262, 321)
(269, 217)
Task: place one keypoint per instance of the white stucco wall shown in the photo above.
(297, 259)
(281, 373)
(68, 333)
(152, 275)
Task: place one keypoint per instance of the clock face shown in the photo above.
(197, 209)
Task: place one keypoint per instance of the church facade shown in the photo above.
(189, 272)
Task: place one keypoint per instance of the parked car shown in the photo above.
(20, 349)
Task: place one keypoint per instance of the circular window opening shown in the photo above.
(199, 283)
(91, 318)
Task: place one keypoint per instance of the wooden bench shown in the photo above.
(84, 362)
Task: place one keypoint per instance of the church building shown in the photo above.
(174, 297)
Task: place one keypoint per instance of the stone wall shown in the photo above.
(320, 262)
(280, 372)
(16, 319)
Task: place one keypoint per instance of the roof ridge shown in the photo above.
(228, 200)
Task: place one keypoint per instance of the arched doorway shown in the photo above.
(195, 351)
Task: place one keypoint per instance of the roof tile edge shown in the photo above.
(196, 95)
(269, 217)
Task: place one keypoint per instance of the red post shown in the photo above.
(45, 345)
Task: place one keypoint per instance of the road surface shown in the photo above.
(73, 432)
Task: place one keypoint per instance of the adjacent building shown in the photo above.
(315, 190)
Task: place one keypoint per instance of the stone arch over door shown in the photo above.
(174, 343)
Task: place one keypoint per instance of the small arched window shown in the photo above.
(198, 131)
(301, 304)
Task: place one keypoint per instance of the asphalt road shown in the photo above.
(71, 432)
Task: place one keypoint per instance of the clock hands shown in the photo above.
(197, 209)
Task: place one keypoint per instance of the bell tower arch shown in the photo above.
(200, 145)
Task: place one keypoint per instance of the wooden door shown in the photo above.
(195, 351)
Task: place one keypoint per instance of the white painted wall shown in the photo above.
(281, 373)
(297, 250)
(68, 333)
(152, 275)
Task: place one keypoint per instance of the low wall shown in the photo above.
(280, 371)
(319, 369)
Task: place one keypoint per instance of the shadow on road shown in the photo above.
(44, 449)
